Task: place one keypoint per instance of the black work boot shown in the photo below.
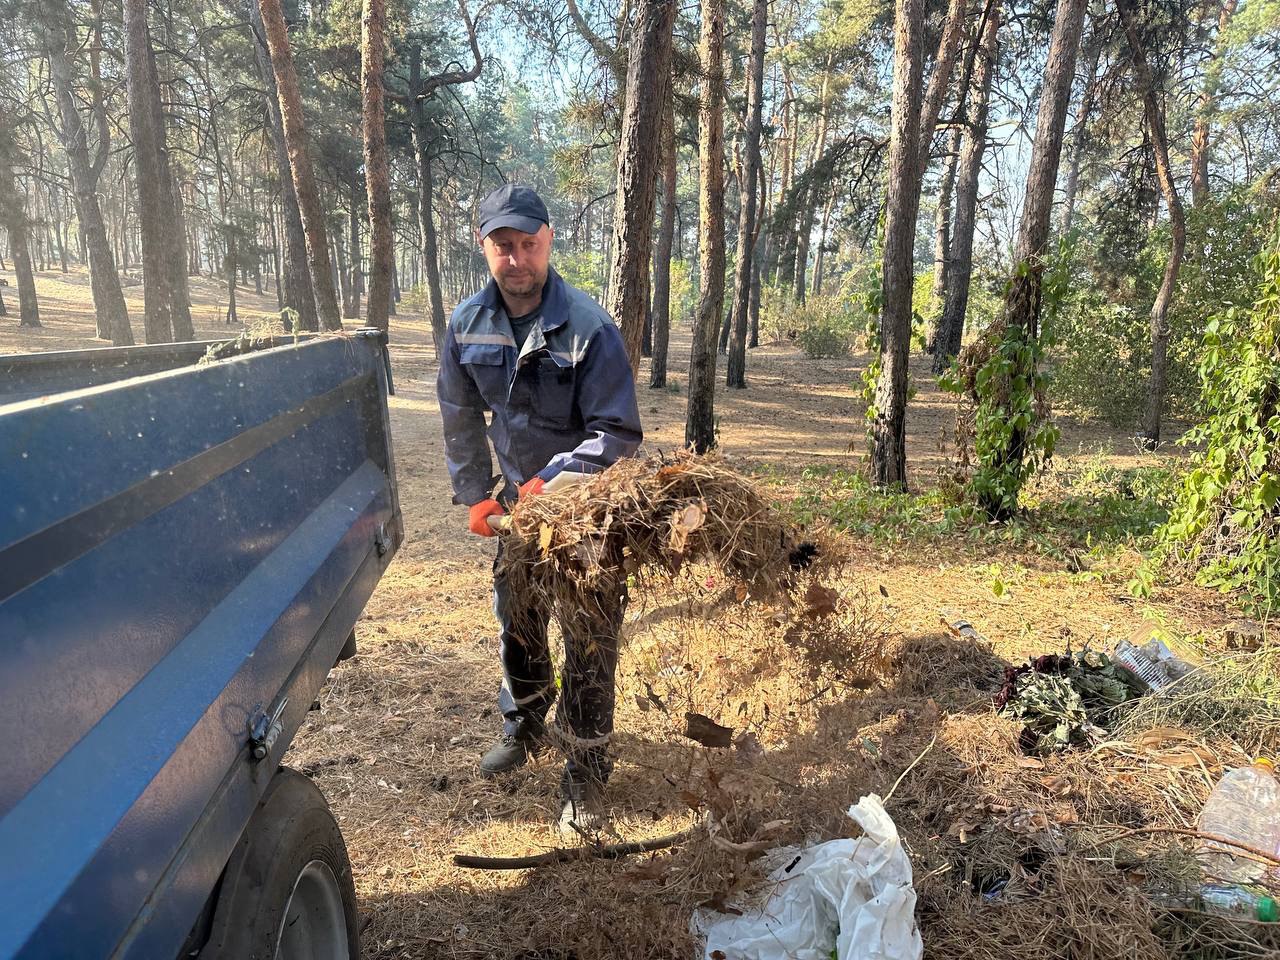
(512, 751)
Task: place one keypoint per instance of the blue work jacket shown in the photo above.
(566, 401)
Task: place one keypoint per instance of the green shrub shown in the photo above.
(1102, 360)
(1226, 523)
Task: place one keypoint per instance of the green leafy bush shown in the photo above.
(1102, 360)
(1226, 523)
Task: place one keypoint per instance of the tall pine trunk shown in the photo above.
(662, 250)
(1024, 296)
(377, 176)
(304, 181)
(1153, 109)
(699, 431)
(430, 254)
(748, 222)
(173, 229)
(13, 216)
(298, 294)
(889, 438)
(146, 130)
(959, 273)
(1207, 109)
(108, 298)
(1080, 132)
(639, 149)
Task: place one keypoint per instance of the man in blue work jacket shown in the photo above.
(549, 366)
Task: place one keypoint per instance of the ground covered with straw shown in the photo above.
(844, 677)
(833, 680)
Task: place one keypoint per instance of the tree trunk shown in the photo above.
(1080, 133)
(1022, 301)
(819, 259)
(13, 215)
(699, 433)
(662, 251)
(304, 181)
(902, 204)
(146, 130)
(108, 299)
(748, 221)
(355, 282)
(1023, 298)
(639, 147)
(1206, 110)
(173, 230)
(808, 207)
(426, 187)
(942, 231)
(298, 293)
(1155, 118)
(959, 271)
(377, 176)
(940, 80)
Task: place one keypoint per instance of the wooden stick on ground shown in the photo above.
(569, 854)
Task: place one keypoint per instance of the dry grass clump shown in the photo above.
(652, 515)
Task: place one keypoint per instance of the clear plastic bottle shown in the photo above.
(1240, 901)
(1244, 807)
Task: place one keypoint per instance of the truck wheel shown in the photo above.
(287, 893)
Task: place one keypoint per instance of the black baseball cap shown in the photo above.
(512, 205)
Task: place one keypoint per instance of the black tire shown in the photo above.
(292, 845)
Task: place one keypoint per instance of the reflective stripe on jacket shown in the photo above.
(566, 401)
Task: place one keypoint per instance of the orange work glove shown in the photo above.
(531, 488)
(480, 513)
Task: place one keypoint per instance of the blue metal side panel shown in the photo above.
(131, 670)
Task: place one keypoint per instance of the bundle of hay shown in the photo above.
(654, 515)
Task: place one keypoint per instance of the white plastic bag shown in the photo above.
(853, 896)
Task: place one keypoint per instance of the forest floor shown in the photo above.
(401, 727)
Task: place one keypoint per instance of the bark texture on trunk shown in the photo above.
(1080, 132)
(377, 176)
(1024, 297)
(108, 298)
(942, 225)
(153, 206)
(959, 271)
(939, 81)
(304, 181)
(430, 253)
(889, 440)
(699, 431)
(748, 222)
(173, 230)
(298, 293)
(13, 215)
(1208, 107)
(662, 250)
(638, 158)
(1022, 305)
(1153, 109)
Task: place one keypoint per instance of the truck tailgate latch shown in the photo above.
(265, 729)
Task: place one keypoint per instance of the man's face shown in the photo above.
(517, 260)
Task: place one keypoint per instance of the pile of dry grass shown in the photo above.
(577, 549)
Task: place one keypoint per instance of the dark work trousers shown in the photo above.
(584, 718)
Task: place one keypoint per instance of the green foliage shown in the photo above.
(583, 269)
(822, 326)
(1102, 361)
(1006, 384)
(1226, 524)
(1072, 701)
(683, 292)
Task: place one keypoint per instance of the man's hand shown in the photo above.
(531, 488)
(480, 514)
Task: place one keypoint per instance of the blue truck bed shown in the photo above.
(185, 549)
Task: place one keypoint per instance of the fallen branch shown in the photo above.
(1257, 854)
(571, 854)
